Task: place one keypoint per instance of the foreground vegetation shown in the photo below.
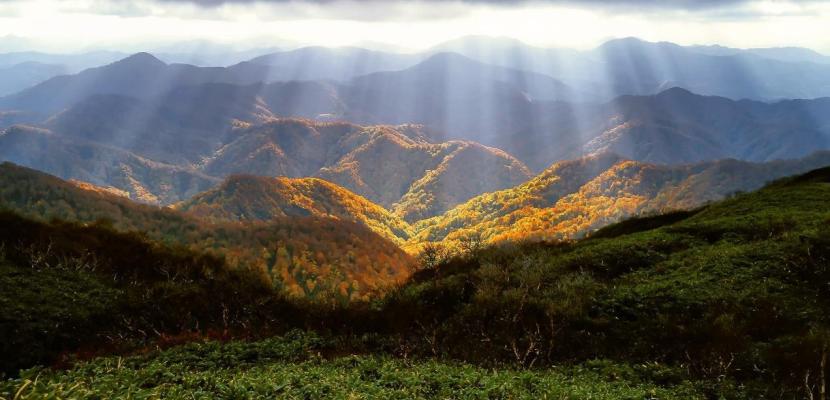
(292, 367)
(727, 301)
(68, 287)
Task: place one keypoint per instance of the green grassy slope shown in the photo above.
(292, 368)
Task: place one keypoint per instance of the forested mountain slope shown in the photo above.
(315, 257)
(245, 197)
(572, 198)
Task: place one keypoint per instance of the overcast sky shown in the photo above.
(73, 25)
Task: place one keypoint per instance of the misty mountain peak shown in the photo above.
(634, 45)
(480, 41)
(142, 60)
(623, 42)
(676, 92)
(446, 60)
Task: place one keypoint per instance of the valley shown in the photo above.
(457, 200)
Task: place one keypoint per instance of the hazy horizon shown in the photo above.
(73, 26)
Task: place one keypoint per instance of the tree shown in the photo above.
(432, 255)
(471, 243)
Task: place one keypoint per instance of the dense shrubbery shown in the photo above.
(292, 367)
(67, 286)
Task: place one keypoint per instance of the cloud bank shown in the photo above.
(413, 25)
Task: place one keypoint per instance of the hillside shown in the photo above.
(17, 77)
(677, 126)
(290, 366)
(736, 290)
(674, 126)
(572, 198)
(243, 197)
(727, 301)
(188, 123)
(314, 257)
(452, 94)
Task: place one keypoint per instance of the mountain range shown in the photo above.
(636, 220)
(569, 200)
(457, 97)
(393, 166)
(637, 67)
(163, 132)
(418, 148)
(617, 67)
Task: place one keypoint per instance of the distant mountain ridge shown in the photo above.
(324, 63)
(397, 167)
(142, 179)
(631, 66)
(456, 96)
(17, 77)
(625, 66)
(140, 75)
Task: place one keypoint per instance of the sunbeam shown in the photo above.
(414, 199)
